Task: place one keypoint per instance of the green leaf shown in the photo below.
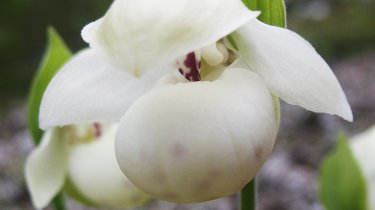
(273, 11)
(56, 54)
(251, 4)
(342, 185)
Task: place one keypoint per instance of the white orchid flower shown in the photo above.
(363, 148)
(181, 140)
(83, 156)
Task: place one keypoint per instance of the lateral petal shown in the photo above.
(291, 68)
(89, 89)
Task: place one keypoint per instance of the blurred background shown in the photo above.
(342, 31)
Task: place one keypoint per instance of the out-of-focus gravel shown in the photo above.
(288, 179)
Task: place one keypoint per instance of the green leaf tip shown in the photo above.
(273, 11)
(55, 55)
(341, 183)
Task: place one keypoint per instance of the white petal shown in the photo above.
(141, 34)
(292, 69)
(196, 141)
(94, 171)
(212, 55)
(46, 168)
(89, 89)
(363, 147)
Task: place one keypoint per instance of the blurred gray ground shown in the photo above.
(287, 181)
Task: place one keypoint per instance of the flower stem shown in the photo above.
(248, 196)
(58, 202)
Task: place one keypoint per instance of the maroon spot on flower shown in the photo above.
(97, 129)
(190, 68)
(178, 150)
(160, 176)
(204, 185)
(258, 153)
